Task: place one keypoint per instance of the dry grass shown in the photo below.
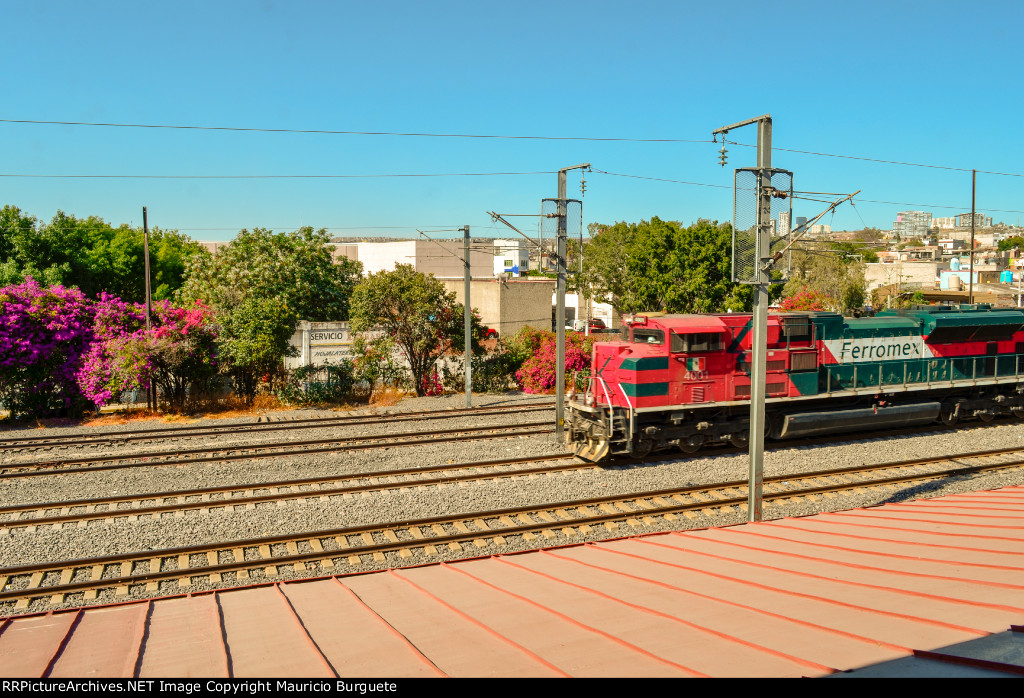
(386, 397)
(222, 408)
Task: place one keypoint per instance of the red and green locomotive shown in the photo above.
(683, 381)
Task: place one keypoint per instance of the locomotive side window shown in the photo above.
(648, 336)
(700, 341)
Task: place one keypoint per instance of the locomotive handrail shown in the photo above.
(632, 414)
(611, 409)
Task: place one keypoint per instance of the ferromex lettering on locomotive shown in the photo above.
(683, 381)
(858, 350)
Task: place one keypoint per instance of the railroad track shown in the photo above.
(23, 469)
(53, 583)
(155, 504)
(120, 438)
(229, 497)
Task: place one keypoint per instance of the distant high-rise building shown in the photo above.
(912, 224)
(784, 227)
(800, 220)
(963, 220)
(944, 222)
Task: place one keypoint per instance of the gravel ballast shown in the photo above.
(21, 546)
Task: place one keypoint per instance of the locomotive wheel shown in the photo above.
(691, 444)
(1018, 412)
(986, 416)
(642, 447)
(949, 415)
(740, 439)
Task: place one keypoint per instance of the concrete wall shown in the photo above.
(508, 305)
(443, 258)
(913, 273)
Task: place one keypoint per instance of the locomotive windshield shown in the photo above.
(699, 341)
(641, 336)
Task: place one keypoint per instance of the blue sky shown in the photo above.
(934, 83)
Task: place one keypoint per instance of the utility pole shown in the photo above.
(763, 261)
(970, 273)
(150, 388)
(467, 321)
(560, 312)
(466, 309)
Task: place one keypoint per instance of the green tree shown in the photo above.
(830, 274)
(416, 311)
(662, 265)
(91, 255)
(259, 286)
(1010, 243)
(295, 268)
(256, 337)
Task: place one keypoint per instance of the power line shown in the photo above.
(350, 133)
(339, 176)
(492, 136)
(659, 179)
(885, 162)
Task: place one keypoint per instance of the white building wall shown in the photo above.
(514, 251)
(383, 256)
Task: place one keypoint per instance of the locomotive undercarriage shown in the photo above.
(596, 432)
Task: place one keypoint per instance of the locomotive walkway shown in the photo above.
(930, 587)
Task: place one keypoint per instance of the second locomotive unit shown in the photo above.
(683, 381)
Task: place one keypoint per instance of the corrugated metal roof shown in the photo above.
(794, 597)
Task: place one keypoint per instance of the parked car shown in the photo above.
(596, 325)
(490, 333)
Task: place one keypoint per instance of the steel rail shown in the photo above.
(279, 496)
(206, 503)
(24, 443)
(565, 521)
(37, 468)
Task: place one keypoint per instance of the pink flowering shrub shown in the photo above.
(807, 299)
(44, 335)
(178, 352)
(537, 374)
(108, 368)
(59, 352)
(432, 385)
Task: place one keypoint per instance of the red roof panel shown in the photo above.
(794, 597)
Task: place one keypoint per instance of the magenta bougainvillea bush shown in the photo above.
(108, 369)
(178, 352)
(537, 374)
(61, 352)
(44, 334)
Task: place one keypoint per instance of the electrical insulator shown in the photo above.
(583, 187)
(722, 156)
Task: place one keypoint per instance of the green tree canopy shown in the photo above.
(829, 272)
(259, 286)
(92, 255)
(662, 265)
(416, 311)
(1010, 243)
(295, 268)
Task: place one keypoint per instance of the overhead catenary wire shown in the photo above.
(415, 134)
(423, 134)
(277, 176)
